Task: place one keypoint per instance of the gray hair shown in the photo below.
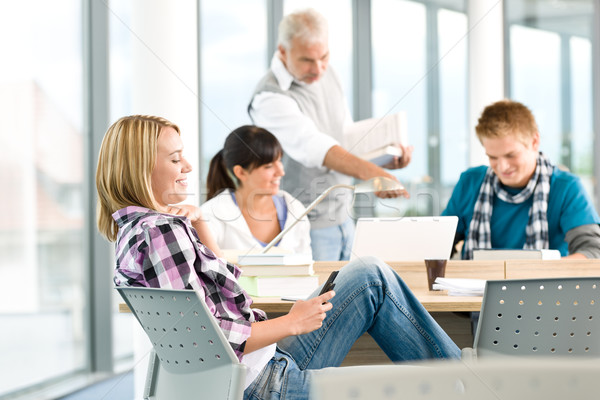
(307, 25)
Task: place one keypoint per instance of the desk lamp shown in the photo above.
(373, 185)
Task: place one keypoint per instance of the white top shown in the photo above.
(256, 361)
(297, 132)
(231, 231)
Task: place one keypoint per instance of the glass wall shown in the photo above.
(233, 59)
(454, 131)
(42, 278)
(550, 71)
(535, 81)
(582, 130)
(399, 47)
(419, 66)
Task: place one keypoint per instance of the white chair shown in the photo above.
(505, 378)
(192, 358)
(539, 317)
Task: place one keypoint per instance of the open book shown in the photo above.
(374, 139)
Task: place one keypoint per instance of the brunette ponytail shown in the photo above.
(218, 178)
(247, 146)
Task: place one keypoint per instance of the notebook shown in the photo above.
(404, 238)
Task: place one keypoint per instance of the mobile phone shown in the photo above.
(329, 285)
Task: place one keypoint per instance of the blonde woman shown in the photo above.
(119, 185)
(141, 170)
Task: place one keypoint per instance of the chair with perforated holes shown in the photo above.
(505, 378)
(191, 357)
(538, 317)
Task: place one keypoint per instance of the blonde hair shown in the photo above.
(506, 118)
(125, 164)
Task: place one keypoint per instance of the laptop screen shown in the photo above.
(404, 238)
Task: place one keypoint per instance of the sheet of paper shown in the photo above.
(371, 134)
(460, 287)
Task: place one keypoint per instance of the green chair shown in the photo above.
(191, 357)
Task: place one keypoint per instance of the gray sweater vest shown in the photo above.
(323, 102)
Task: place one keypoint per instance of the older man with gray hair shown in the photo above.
(300, 100)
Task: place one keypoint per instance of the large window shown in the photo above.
(454, 130)
(419, 66)
(535, 81)
(42, 273)
(399, 41)
(550, 59)
(233, 59)
(582, 131)
(153, 67)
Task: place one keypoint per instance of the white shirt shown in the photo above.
(297, 133)
(231, 231)
(256, 361)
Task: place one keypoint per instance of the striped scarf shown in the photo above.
(480, 236)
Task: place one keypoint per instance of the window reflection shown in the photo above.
(233, 57)
(41, 230)
(423, 73)
(399, 72)
(454, 132)
(551, 72)
(582, 131)
(535, 82)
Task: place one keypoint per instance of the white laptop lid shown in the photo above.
(404, 238)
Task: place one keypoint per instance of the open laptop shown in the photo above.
(404, 238)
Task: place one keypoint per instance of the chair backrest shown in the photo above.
(539, 317)
(193, 358)
(506, 378)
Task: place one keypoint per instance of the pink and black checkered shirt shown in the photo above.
(162, 250)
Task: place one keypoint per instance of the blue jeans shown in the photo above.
(370, 297)
(333, 243)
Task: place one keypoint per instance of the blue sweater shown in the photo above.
(568, 208)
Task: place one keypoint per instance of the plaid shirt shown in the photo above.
(163, 250)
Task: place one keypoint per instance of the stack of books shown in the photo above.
(278, 275)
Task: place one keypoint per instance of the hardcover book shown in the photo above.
(274, 259)
(279, 286)
(277, 270)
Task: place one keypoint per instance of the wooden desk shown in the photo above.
(526, 269)
(448, 311)
(413, 273)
